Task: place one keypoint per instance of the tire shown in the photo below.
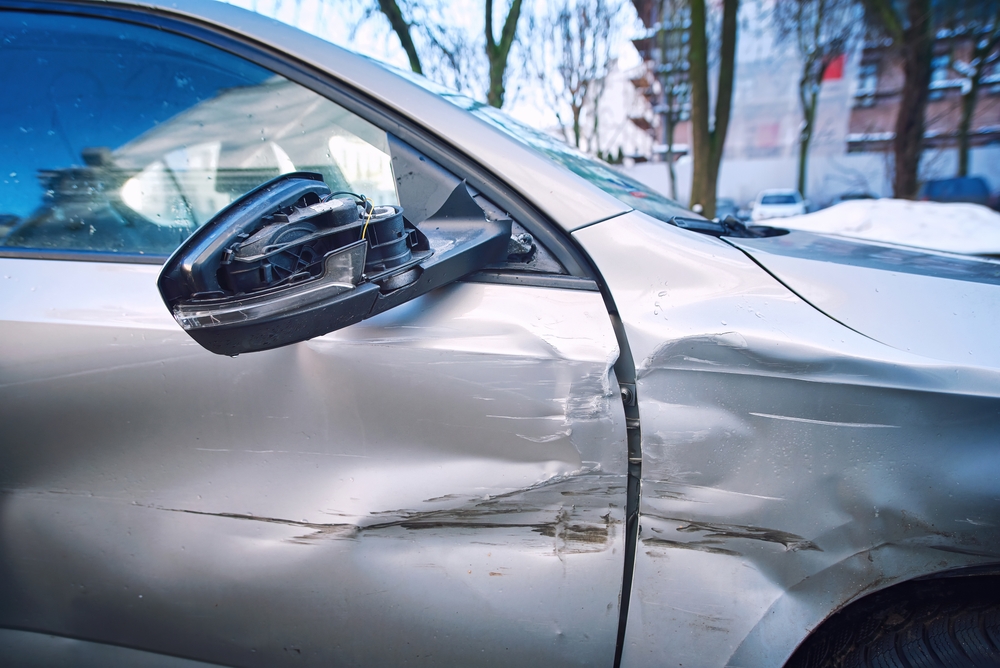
(951, 625)
(936, 638)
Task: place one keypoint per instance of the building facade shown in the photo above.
(879, 88)
(851, 146)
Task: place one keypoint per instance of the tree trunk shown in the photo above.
(402, 29)
(917, 52)
(700, 110)
(980, 58)
(595, 141)
(809, 98)
(495, 94)
(576, 126)
(727, 76)
(497, 52)
(707, 142)
(965, 122)
(670, 158)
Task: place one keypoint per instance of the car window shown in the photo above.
(779, 199)
(134, 149)
(965, 188)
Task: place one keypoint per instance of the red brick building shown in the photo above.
(874, 86)
(880, 83)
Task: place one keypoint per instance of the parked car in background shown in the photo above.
(852, 196)
(971, 189)
(725, 206)
(777, 203)
(309, 362)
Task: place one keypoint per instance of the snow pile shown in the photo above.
(954, 228)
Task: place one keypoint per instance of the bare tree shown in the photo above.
(441, 49)
(434, 47)
(392, 12)
(980, 21)
(573, 57)
(708, 130)
(822, 30)
(910, 26)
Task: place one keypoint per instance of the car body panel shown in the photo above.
(789, 464)
(940, 306)
(453, 465)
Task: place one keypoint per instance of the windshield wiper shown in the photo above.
(730, 226)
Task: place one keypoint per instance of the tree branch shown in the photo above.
(402, 29)
(509, 28)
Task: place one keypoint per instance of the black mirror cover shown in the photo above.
(290, 260)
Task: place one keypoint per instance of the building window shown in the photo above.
(940, 75)
(991, 78)
(867, 85)
(940, 67)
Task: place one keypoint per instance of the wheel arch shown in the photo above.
(858, 584)
(870, 614)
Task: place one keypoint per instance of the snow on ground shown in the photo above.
(954, 228)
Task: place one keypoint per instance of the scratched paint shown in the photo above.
(454, 465)
(789, 463)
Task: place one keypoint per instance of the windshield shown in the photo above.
(597, 172)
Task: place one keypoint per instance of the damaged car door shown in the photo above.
(442, 481)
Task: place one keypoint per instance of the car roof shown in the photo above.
(957, 184)
(565, 198)
(958, 179)
(778, 191)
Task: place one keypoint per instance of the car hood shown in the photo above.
(937, 305)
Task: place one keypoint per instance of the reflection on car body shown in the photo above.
(607, 440)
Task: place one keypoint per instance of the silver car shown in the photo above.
(307, 363)
(777, 203)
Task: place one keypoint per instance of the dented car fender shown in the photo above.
(790, 465)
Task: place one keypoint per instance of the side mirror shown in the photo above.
(290, 260)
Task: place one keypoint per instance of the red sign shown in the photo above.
(835, 70)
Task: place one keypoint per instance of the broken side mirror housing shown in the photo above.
(291, 260)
